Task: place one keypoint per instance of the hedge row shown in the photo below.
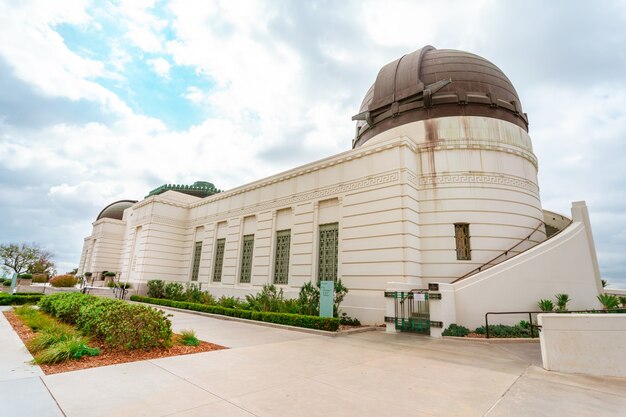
(309, 322)
(116, 322)
(13, 299)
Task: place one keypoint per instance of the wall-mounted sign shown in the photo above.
(433, 286)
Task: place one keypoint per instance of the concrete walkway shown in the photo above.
(274, 372)
(23, 391)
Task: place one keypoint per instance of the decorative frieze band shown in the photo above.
(314, 195)
(479, 179)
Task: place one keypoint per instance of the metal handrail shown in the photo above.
(530, 320)
(505, 253)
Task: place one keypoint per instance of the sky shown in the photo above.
(102, 101)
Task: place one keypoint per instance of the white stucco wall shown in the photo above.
(563, 264)
(584, 343)
(396, 200)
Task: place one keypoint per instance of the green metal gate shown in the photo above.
(412, 311)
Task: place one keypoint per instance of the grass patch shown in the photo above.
(188, 338)
(54, 342)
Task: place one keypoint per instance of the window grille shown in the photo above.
(246, 259)
(219, 260)
(281, 260)
(196, 261)
(328, 247)
(462, 236)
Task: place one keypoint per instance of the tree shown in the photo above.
(26, 258)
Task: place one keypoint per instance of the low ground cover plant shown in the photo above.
(118, 323)
(188, 338)
(54, 341)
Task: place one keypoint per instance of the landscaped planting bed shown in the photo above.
(298, 320)
(75, 331)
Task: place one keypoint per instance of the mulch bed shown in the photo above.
(107, 356)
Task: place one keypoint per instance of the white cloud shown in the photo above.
(160, 66)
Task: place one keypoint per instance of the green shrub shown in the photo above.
(65, 306)
(156, 288)
(114, 321)
(25, 276)
(174, 291)
(6, 281)
(545, 305)
(561, 302)
(309, 300)
(268, 299)
(608, 301)
(40, 278)
(132, 326)
(109, 274)
(188, 338)
(348, 321)
(88, 274)
(501, 330)
(232, 302)
(340, 293)
(311, 322)
(193, 293)
(64, 281)
(456, 330)
(14, 299)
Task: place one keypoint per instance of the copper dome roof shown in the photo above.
(115, 210)
(431, 83)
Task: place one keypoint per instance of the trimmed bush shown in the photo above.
(6, 281)
(456, 330)
(14, 300)
(118, 323)
(65, 281)
(309, 322)
(40, 278)
(109, 274)
(25, 276)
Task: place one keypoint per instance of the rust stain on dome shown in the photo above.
(431, 83)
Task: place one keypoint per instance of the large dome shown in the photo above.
(431, 83)
(115, 210)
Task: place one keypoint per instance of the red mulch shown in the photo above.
(107, 356)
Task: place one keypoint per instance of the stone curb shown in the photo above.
(493, 340)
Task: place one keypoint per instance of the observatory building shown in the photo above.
(438, 194)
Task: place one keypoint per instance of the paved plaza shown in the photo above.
(276, 372)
